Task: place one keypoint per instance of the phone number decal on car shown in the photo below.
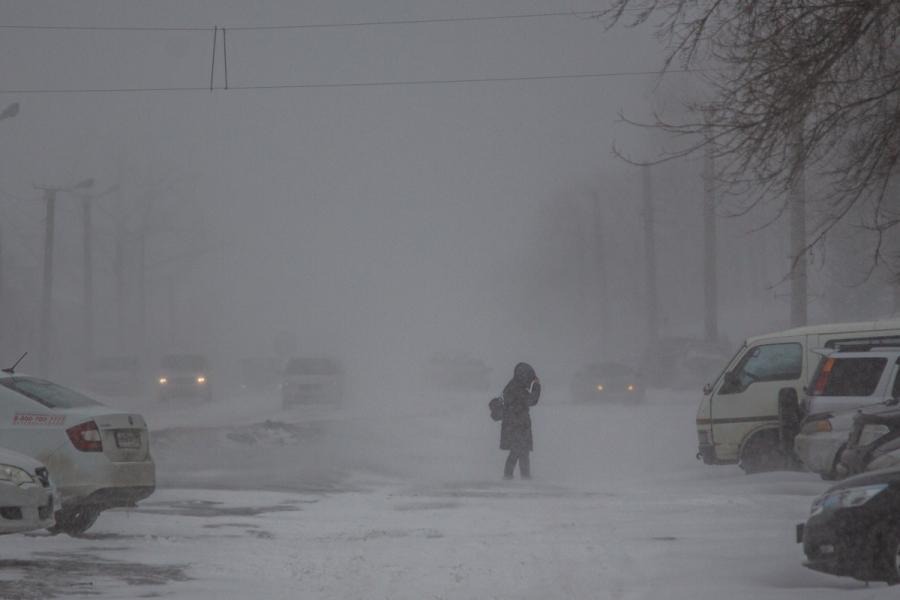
(38, 419)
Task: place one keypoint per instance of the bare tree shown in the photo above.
(825, 70)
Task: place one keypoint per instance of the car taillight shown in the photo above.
(824, 375)
(86, 437)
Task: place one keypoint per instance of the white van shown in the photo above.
(738, 422)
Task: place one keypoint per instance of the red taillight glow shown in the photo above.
(824, 374)
(86, 437)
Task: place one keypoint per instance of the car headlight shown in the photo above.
(631, 387)
(817, 426)
(201, 379)
(848, 498)
(15, 475)
(600, 387)
(163, 381)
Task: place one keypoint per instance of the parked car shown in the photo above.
(99, 457)
(874, 443)
(312, 380)
(184, 376)
(683, 362)
(114, 376)
(853, 528)
(607, 381)
(845, 384)
(260, 373)
(737, 420)
(27, 500)
(460, 372)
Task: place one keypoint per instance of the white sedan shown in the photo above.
(26, 495)
(99, 457)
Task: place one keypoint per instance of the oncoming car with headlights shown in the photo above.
(184, 376)
(854, 528)
(27, 499)
(607, 381)
(98, 457)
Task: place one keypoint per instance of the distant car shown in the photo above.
(607, 381)
(684, 362)
(26, 496)
(99, 457)
(459, 372)
(114, 376)
(312, 380)
(853, 528)
(184, 376)
(260, 373)
(845, 383)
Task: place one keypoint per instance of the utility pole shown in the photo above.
(47, 286)
(710, 250)
(119, 271)
(797, 198)
(650, 257)
(600, 270)
(88, 279)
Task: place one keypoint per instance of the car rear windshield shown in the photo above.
(312, 366)
(48, 394)
(848, 376)
(184, 362)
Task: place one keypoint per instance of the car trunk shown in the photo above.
(124, 435)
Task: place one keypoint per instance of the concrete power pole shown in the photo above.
(47, 287)
(797, 198)
(650, 257)
(710, 250)
(600, 270)
(88, 279)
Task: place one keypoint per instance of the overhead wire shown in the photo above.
(582, 14)
(349, 84)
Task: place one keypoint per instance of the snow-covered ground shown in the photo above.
(406, 502)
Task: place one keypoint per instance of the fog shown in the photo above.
(378, 224)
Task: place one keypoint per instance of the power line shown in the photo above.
(438, 20)
(579, 14)
(351, 84)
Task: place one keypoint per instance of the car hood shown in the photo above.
(9, 457)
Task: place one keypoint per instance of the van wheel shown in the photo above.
(763, 453)
(76, 520)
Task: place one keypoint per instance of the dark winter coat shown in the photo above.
(519, 395)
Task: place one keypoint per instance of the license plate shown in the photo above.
(800, 527)
(128, 439)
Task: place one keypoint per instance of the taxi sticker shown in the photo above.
(38, 419)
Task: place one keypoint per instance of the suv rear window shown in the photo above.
(48, 394)
(848, 376)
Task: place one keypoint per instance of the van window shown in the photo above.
(769, 362)
(848, 376)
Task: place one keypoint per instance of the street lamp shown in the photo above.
(47, 284)
(8, 113)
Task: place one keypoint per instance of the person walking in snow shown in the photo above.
(520, 394)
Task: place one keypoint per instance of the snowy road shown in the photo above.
(412, 508)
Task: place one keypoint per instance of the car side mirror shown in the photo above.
(707, 389)
(892, 402)
(732, 380)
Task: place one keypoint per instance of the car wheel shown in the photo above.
(763, 453)
(76, 520)
(885, 539)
